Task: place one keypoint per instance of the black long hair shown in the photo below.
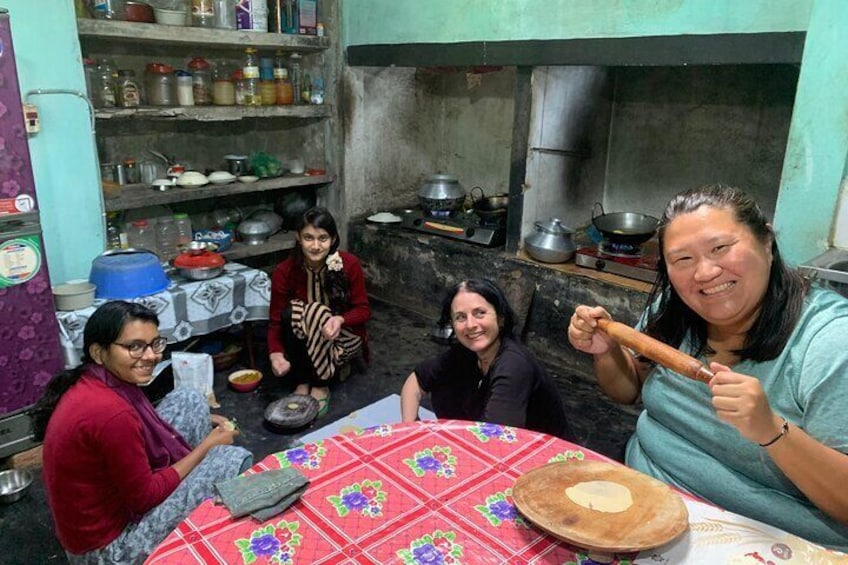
(103, 328)
(670, 319)
(336, 283)
(493, 295)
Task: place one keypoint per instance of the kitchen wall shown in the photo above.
(403, 124)
(815, 157)
(63, 156)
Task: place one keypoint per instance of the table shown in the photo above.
(440, 492)
(186, 308)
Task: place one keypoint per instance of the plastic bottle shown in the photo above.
(140, 235)
(184, 233)
(115, 237)
(185, 89)
(267, 88)
(91, 81)
(225, 14)
(294, 71)
(306, 89)
(250, 73)
(317, 94)
(238, 81)
(223, 89)
(203, 13)
(167, 238)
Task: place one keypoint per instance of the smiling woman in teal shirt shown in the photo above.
(767, 436)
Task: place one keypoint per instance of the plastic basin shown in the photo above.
(127, 274)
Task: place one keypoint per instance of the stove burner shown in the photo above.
(439, 213)
(617, 249)
(641, 267)
(494, 222)
(455, 225)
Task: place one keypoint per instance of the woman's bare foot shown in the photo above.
(302, 389)
(320, 392)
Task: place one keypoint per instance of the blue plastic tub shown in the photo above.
(127, 273)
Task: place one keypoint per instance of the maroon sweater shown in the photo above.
(96, 472)
(289, 282)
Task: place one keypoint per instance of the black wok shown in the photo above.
(628, 228)
(489, 206)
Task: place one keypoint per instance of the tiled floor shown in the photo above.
(399, 339)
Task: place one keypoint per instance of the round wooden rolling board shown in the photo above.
(656, 516)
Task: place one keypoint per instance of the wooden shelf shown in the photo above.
(277, 242)
(215, 113)
(141, 195)
(194, 37)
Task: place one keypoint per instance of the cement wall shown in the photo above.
(403, 124)
(415, 270)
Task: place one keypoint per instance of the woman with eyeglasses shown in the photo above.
(318, 309)
(119, 474)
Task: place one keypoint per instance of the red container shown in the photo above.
(139, 12)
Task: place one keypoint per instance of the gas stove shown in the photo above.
(460, 226)
(639, 262)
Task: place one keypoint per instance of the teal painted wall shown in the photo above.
(63, 155)
(817, 147)
(409, 21)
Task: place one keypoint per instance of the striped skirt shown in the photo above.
(326, 356)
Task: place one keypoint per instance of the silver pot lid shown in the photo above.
(553, 226)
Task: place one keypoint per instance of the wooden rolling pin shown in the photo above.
(656, 350)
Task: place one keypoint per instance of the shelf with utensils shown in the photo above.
(214, 113)
(92, 31)
(278, 242)
(141, 195)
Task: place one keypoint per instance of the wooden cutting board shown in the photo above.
(656, 516)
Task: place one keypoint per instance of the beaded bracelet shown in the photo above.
(784, 429)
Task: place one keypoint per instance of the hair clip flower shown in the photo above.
(334, 262)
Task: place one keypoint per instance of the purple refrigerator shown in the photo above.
(30, 353)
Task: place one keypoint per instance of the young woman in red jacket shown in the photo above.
(318, 309)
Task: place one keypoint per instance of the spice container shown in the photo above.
(159, 83)
(185, 89)
(128, 91)
(105, 84)
(201, 80)
(132, 173)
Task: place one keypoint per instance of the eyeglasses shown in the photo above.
(136, 348)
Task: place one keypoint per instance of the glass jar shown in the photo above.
(91, 80)
(106, 75)
(185, 89)
(160, 84)
(132, 173)
(283, 86)
(223, 90)
(203, 13)
(129, 95)
(140, 235)
(225, 14)
(201, 81)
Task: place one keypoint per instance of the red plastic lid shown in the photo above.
(205, 259)
(159, 68)
(238, 74)
(140, 223)
(198, 63)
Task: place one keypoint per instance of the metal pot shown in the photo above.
(551, 243)
(442, 333)
(441, 193)
(489, 206)
(628, 228)
(254, 232)
(200, 273)
(198, 263)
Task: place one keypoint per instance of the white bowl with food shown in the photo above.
(248, 178)
(221, 177)
(191, 179)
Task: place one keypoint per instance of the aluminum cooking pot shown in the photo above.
(489, 206)
(628, 228)
(551, 243)
(441, 193)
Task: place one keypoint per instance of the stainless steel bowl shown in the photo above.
(254, 232)
(14, 484)
(200, 273)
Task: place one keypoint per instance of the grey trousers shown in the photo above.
(188, 411)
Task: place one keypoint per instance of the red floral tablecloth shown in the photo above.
(438, 492)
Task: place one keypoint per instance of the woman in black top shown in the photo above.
(487, 376)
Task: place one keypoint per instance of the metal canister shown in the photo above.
(120, 173)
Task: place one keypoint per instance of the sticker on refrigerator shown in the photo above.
(20, 260)
(17, 205)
